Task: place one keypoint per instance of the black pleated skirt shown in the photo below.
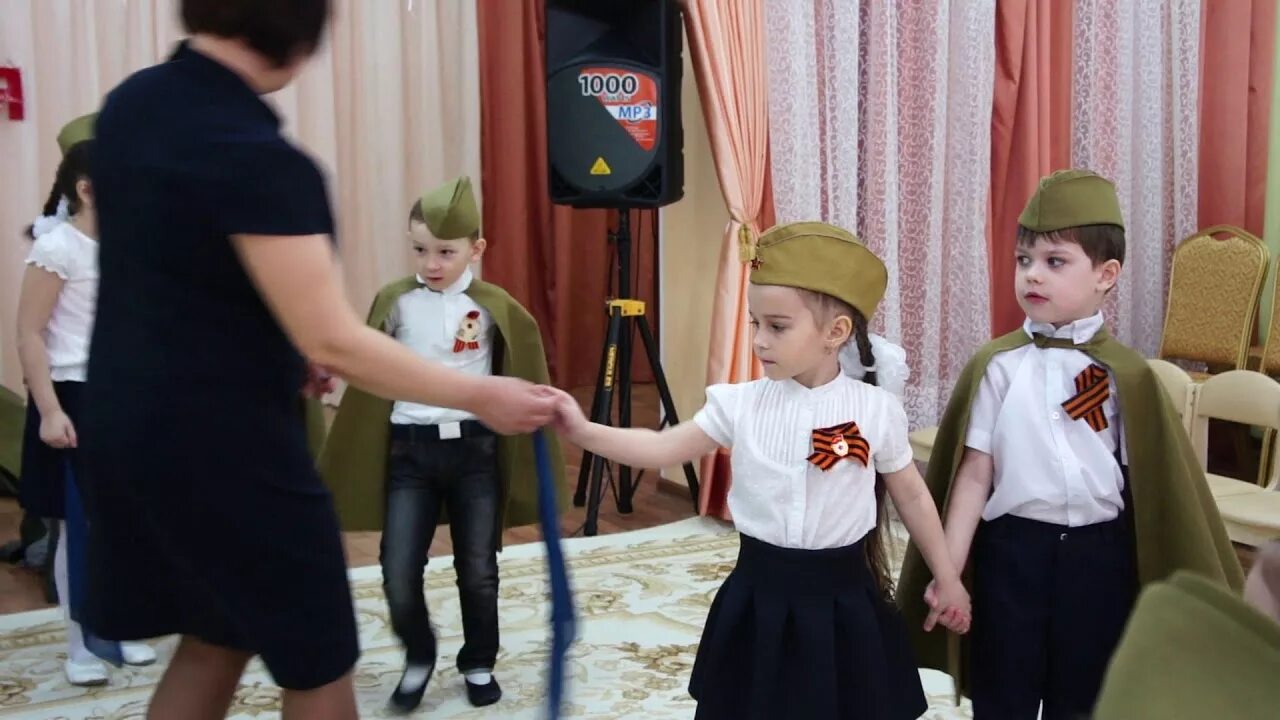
(804, 635)
(42, 489)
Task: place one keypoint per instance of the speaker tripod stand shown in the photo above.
(625, 315)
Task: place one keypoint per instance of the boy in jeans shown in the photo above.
(434, 459)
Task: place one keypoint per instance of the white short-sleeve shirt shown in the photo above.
(72, 256)
(1048, 467)
(777, 495)
(449, 328)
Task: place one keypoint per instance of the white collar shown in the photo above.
(1079, 332)
(458, 287)
(793, 389)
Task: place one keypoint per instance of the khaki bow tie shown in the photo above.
(1044, 341)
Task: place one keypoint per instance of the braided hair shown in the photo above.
(876, 546)
(826, 308)
(73, 168)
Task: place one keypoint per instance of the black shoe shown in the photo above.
(406, 701)
(487, 694)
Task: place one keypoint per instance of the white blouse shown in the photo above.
(72, 256)
(777, 495)
(1048, 467)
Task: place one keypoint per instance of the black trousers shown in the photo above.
(424, 474)
(1049, 604)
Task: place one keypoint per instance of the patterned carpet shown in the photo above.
(642, 598)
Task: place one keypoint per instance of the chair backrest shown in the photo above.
(1271, 351)
(1214, 288)
(1178, 384)
(1241, 396)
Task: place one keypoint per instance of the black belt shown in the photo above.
(443, 431)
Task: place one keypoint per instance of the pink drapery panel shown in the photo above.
(927, 145)
(726, 43)
(881, 117)
(381, 137)
(1135, 121)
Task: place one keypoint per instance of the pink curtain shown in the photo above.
(726, 43)
(881, 122)
(1134, 92)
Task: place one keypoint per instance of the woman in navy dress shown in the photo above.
(219, 297)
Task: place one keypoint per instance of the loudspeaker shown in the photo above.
(614, 137)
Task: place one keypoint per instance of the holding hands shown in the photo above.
(510, 406)
(320, 382)
(948, 605)
(569, 419)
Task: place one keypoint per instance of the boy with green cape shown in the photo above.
(395, 467)
(1061, 461)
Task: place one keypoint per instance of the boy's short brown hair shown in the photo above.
(1100, 243)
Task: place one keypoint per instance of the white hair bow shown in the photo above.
(47, 223)
(890, 364)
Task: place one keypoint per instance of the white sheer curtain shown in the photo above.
(1134, 95)
(881, 121)
(389, 106)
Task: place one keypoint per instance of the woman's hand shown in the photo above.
(56, 430)
(510, 406)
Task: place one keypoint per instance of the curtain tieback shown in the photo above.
(746, 245)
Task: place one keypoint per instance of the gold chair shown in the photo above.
(1270, 356)
(1250, 510)
(1214, 287)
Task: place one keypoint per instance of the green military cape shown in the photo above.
(1193, 650)
(13, 416)
(313, 419)
(1175, 519)
(353, 462)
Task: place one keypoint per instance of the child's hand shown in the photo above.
(569, 420)
(949, 605)
(320, 381)
(57, 430)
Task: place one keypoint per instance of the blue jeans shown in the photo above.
(423, 475)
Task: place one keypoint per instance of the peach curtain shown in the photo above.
(390, 105)
(1030, 129)
(1238, 41)
(726, 42)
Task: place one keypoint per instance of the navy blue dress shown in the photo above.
(207, 517)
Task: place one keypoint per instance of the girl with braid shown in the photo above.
(56, 310)
(804, 626)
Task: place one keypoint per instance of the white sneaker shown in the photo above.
(137, 653)
(86, 672)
